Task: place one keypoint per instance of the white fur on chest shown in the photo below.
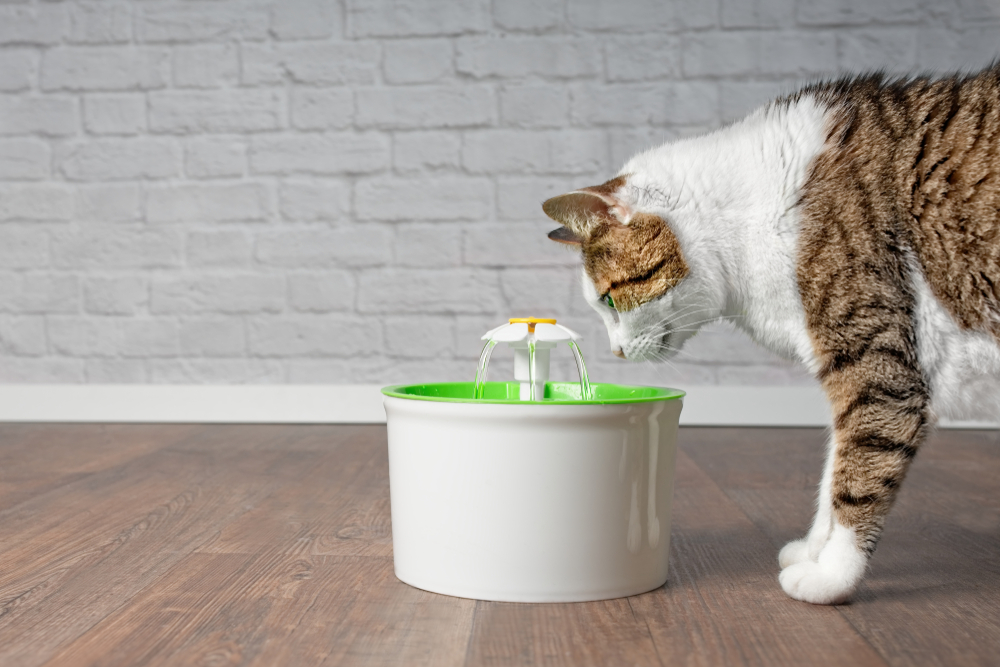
(731, 199)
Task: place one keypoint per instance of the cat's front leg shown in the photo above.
(878, 431)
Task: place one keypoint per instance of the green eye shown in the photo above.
(608, 300)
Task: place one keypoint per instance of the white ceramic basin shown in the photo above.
(550, 501)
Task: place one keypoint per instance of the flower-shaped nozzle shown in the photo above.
(521, 329)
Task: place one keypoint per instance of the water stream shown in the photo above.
(586, 393)
(483, 368)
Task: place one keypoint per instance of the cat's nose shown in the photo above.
(618, 352)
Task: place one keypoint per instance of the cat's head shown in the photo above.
(636, 274)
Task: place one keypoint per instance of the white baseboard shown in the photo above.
(357, 404)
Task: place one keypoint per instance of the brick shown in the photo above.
(183, 112)
(305, 19)
(430, 246)
(696, 14)
(422, 151)
(108, 203)
(517, 244)
(206, 66)
(319, 64)
(209, 157)
(23, 336)
(309, 201)
(196, 22)
(116, 371)
(149, 338)
(534, 106)
(642, 58)
(516, 151)
(521, 198)
(326, 154)
(118, 159)
(758, 13)
(212, 337)
(230, 293)
(18, 68)
(798, 54)
(353, 245)
(443, 198)
(314, 336)
(38, 293)
(105, 68)
(855, 12)
(321, 292)
(424, 291)
(398, 18)
(223, 202)
(539, 290)
(24, 159)
(419, 336)
(322, 109)
(86, 336)
(426, 107)
(42, 370)
(115, 295)
(41, 202)
(892, 49)
(100, 22)
(554, 57)
(123, 114)
(48, 116)
(418, 61)
(215, 371)
(218, 249)
(682, 102)
(23, 248)
(528, 15)
(104, 247)
(721, 53)
(40, 24)
(633, 16)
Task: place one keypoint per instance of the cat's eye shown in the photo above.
(608, 300)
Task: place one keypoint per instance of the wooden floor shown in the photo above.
(271, 545)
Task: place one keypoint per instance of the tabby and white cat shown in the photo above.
(853, 226)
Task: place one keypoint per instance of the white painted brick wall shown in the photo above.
(348, 190)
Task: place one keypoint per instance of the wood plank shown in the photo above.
(588, 633)
(110, 535)
(932, 595)
(339, 507)
(279, 609)
(723, 605)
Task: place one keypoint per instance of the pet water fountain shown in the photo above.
(531, 490)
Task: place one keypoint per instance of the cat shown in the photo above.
(853, 226)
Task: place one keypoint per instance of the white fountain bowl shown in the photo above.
(531, 502)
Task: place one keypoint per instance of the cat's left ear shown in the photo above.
(580, 211)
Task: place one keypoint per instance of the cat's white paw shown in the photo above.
(833, 577)
(811, 582)
(794, 552)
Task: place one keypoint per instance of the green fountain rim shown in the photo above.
(557, 393)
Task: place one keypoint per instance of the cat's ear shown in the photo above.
(579, 212)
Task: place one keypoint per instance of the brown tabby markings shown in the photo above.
(910, 169)
(634, 263)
